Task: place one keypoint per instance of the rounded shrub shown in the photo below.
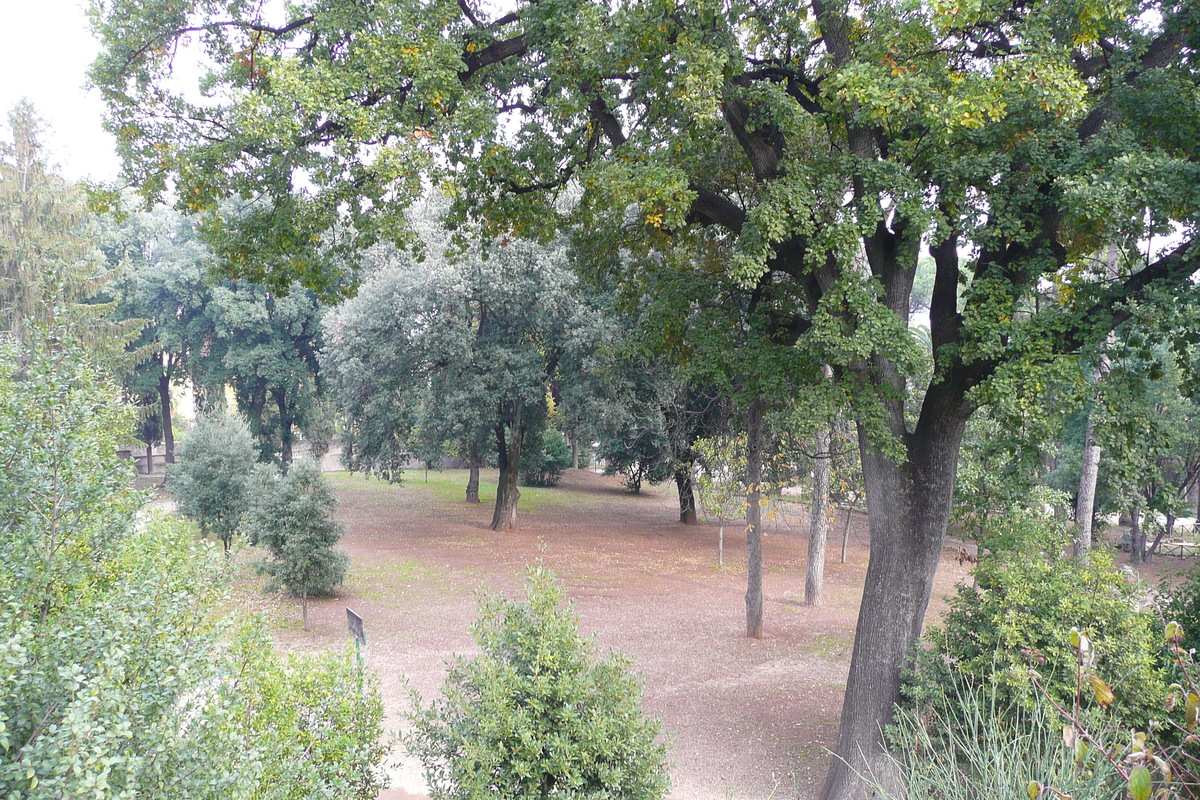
(544, 461)
(211, 481)
(537, 713)
(1011, 632)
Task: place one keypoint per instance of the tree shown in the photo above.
(49, 267)
(211, 482)
(265, 345)
(456, 351)
(292, 516)
(537, 713)
(823, 142)
(161, 270)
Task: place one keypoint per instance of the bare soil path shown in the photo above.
(744, 718)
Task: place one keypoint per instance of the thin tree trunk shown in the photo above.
(149, 458)
(286, 426)
(1137, 539)
(1085, 503)
(258, 400)
(754, 590)
(507, 493)
(574, 453)
(1165, 533)
(818, 525)
(846, 532)
(473, 473)
(687, 495)
(304, 607)
(164, 399)
(911, 502)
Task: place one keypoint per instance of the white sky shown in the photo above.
(45, 50)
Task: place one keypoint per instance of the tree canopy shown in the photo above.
(457, 351)
(822, 143)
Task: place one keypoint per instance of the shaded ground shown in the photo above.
(745, 718)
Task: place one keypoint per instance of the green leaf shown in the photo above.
(1139, 783)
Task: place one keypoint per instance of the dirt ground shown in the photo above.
(743, 718)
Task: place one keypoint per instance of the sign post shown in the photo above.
(355, 625)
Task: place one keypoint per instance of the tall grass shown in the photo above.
(974, 749)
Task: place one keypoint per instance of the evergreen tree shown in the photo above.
(292, 516)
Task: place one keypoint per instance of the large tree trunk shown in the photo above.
(908, 511)
(818, 525)
(687, 495)
(1086, 501)
(473, 473)
(507, 493)
(754, 565)
(164, 400)
(574, 452)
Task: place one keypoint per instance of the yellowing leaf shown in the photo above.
(1104, 695)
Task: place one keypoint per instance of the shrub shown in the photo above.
(318, 721)
(1182, 603)
(537, 714)
(211, 480)
(1018, 617)
(117, 681)
(544, 460)
(292, 516)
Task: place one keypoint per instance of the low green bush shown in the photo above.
(544, 460)
(537, 713)
(291, 516)
(1012, 628)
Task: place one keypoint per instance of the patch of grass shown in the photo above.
(833, 647)
(449, 486)
(378, 581)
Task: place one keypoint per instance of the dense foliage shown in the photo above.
(545, 459)
(804, 153)
(115, 675)
(211, 482)
(537, 713)
(1009, 632)
(456, 352)
(291, 515)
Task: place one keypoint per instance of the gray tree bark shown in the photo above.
(754, 566)
(1086, 501)
(687, 495)
(507, 494)
(818, 526)
(1137, 537)
(164, 400)
(473, 462)
(911, 503)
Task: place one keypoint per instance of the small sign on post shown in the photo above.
(355, 623)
